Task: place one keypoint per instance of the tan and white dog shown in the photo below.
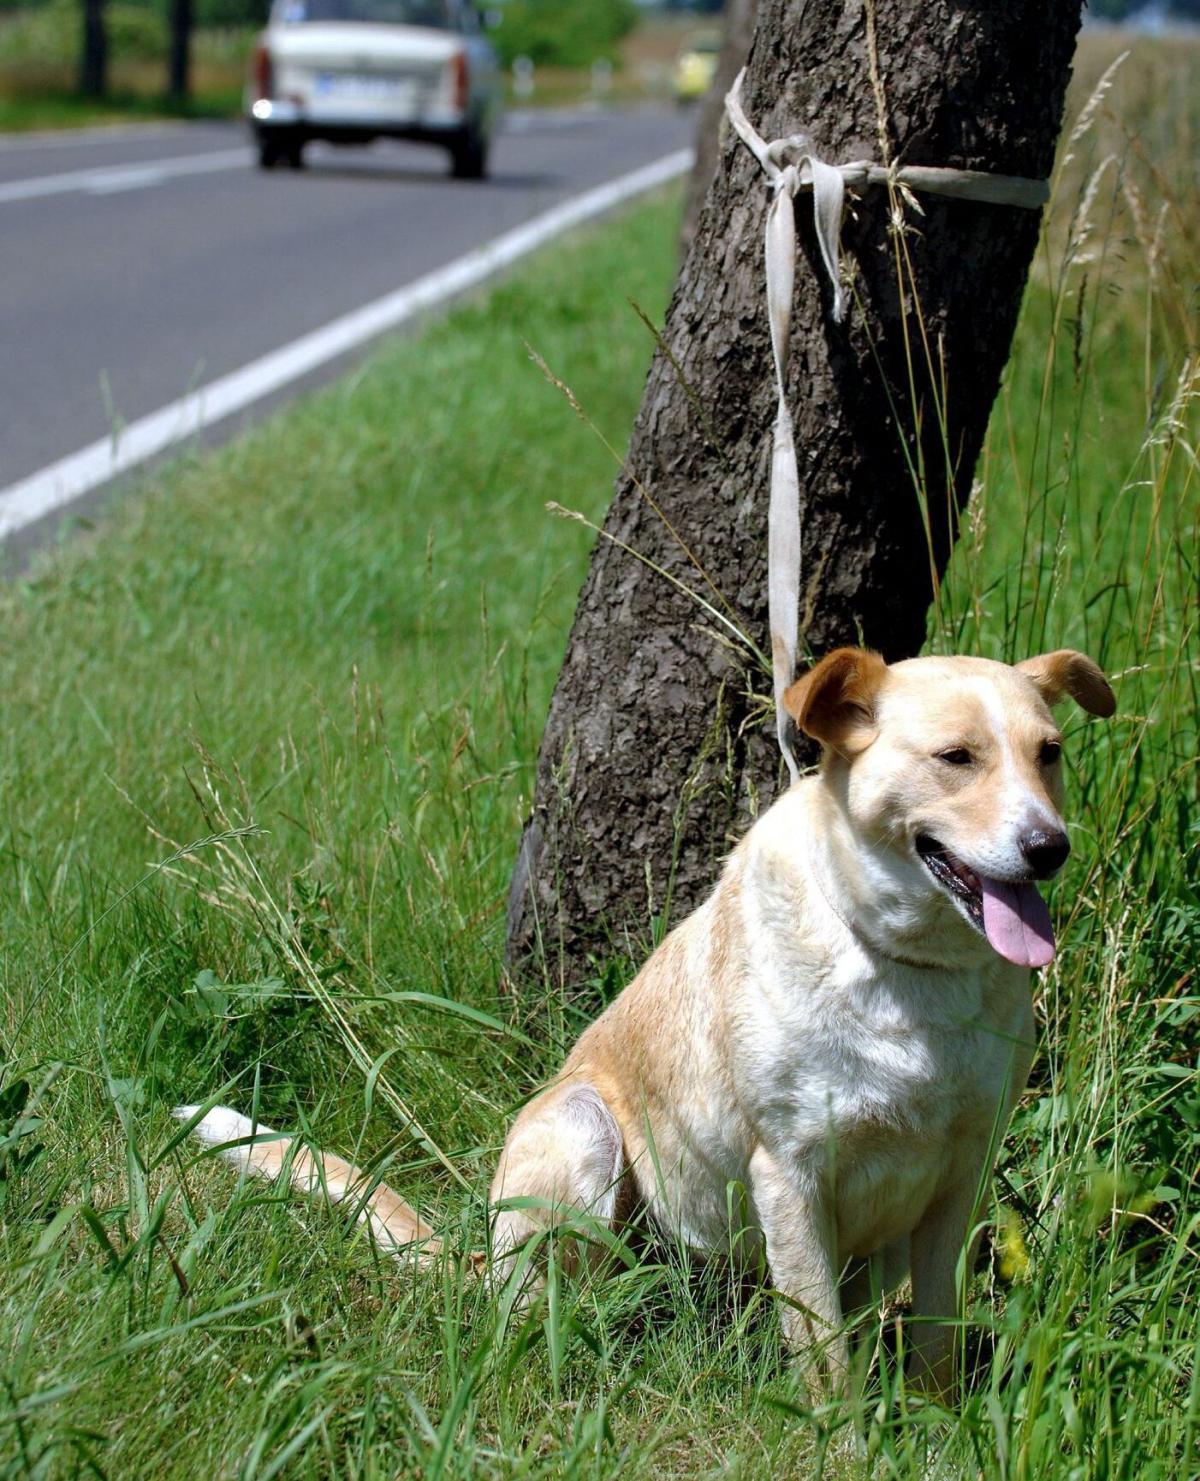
(840, 1031)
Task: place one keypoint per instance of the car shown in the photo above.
(350, 71)
(695, 66)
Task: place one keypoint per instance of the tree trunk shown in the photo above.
(738, 33)
(179, 79)
(93, 62)
(658, 747)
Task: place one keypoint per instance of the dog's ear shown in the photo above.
(1065, 672)
(835, 701)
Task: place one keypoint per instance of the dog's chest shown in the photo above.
(860, 1082)
(868, 1061)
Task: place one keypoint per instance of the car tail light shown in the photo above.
(262, 72)
(459, 79)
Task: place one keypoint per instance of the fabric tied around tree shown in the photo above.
(792, 165)
(783, 520)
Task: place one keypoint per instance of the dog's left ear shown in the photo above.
(835, 701)
(1065, 672)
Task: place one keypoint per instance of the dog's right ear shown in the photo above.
(1063, 672)
(835, 701)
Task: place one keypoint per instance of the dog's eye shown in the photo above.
(956, 756)
(1050, 752)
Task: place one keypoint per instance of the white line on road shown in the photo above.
(59, 485)
(107, 178)
(100, 133)
(120, 133)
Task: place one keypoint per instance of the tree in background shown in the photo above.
(93, 61)
(563, 33)
(179, 69)
(659, 744)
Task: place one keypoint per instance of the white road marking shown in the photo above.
(101, 133)
(133, 177)
(56, 487)
(120, 133)
(107, 178)
(513, 121)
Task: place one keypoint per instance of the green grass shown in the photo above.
(65, 109)
(320, 658)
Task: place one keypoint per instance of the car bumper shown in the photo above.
(268, 115)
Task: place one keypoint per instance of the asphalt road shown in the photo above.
(135, 266)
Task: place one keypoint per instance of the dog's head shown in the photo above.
(948, 773)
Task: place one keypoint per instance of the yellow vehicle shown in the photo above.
(695, 66)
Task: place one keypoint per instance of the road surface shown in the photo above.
(136, 266)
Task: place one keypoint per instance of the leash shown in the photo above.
(792, 166)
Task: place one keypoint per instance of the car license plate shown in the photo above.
(368, 86)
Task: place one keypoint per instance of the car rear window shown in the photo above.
(377, 12)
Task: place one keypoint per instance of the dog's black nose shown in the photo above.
(1045, 853)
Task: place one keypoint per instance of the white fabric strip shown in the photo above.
(792, 165)
(783, 519)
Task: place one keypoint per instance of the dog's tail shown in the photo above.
(395, 1224)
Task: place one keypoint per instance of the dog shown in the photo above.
(840, 1032)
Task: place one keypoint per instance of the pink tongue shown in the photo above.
(1017, 923)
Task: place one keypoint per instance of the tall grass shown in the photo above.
(268, 740)
(1082, 532)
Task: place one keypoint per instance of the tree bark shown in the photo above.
(738, 19)
(658, 747)
(93, 62)
(179, 68)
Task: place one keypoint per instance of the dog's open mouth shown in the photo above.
(958, 879)
(1013, 917)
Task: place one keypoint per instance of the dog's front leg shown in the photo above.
(940, 1250)
(801, 1253)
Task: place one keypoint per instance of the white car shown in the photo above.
(355, 70)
